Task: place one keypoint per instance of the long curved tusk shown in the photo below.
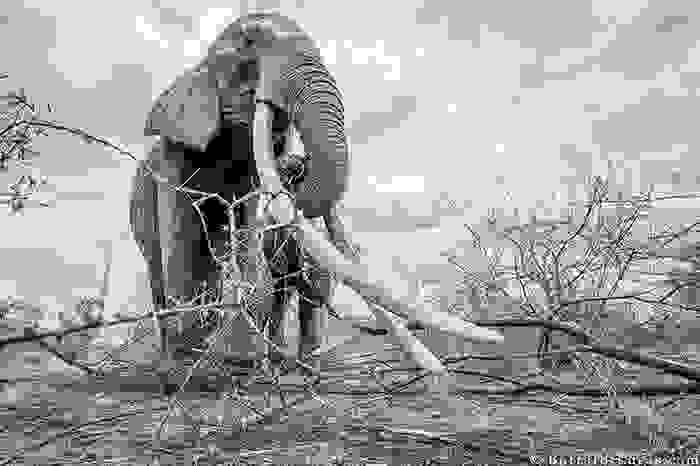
(357, 275)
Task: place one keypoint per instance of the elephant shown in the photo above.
(204, 123)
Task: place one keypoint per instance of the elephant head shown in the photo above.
(205, 118)
(272, 48)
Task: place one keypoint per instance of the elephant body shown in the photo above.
(204, 122)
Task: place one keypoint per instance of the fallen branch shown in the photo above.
(70, 361)
(616, 352)
(574, 390)
(66, 433)
(32, 334)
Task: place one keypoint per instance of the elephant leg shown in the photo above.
(257, 293)
(276, 324)
(282, 256)
(143, 217)
(143, 208)
(315, 288)
(187, 263)
(185, 267)
(313, 318)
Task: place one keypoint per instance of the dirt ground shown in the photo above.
(56, 415)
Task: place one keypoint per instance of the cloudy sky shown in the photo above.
(494, 104)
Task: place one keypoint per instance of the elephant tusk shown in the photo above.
(355, 275)
(411, 345)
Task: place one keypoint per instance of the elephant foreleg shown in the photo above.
(143, 206)
(315, 288)
(276, 325)
(257, 291)
(168, 232)
(187, 263)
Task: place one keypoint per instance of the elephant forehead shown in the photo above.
(250, 35)
(262, 26)
(233, 73)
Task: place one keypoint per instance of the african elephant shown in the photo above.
(204, 121)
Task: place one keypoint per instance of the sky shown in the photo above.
(502, 104)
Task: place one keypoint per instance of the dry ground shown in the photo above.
(110, 420)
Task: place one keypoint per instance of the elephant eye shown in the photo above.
(248, 42)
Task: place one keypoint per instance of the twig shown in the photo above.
(31, 334)
(69, 361)
(66, 433)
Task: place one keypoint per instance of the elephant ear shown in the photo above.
(186, 112)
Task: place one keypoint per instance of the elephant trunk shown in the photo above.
(316, 108)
